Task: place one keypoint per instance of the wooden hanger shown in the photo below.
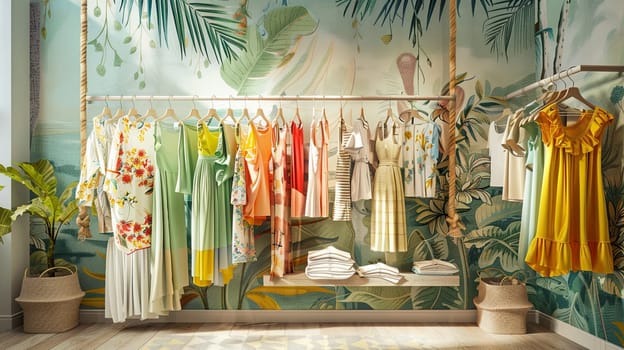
(229, 114)
(279, 117)
(263, 118)
(194, 113)
(106, 111)
(297, 116)
(133, 112)
(169, 113)
(212, 115)
(119, 112)
(151, 112)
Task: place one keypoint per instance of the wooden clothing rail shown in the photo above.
(564, 74)
(272, 98)
(453, 219)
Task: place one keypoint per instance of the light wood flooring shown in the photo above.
(135, 335)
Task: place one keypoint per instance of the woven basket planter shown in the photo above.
(50, 304)
(502, 306)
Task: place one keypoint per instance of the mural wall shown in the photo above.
(346, 47)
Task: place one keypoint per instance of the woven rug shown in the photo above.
(270, 342)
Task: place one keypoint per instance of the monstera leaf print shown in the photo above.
(380, 298)
(265, 53)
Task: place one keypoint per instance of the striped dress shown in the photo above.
(342, 199)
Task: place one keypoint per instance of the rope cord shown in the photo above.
(83, 221)
(453, 218)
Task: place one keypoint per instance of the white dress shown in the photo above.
(514, 143)
(313, 204)
(359, 148)
(497, 155)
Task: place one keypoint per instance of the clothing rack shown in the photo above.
(455, 225)
(565, 74)
(273, 98)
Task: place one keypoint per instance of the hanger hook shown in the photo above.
(569, 77)
(133, 101)
(194, 99)
(121, 102)
(170, 97)
(259, 99)
(297, 102)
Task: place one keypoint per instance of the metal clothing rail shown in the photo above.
(272, 98)
(564, 74)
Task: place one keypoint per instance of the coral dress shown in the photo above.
(572, 228)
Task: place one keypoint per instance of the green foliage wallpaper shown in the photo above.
(347, 47)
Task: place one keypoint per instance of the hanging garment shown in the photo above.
(90, 189)
(388, 228)
(257, 153)
(323, 171)
(532, 188)
(130, 182)
(342, 193)
(313, 203)
(514, 144)
(297, 171)
(127, 284)
(169, 254)
(421, 140)
(572, 228)
(187, 162)
(359, 148)
(497, 155)
(211, 223)
(280, 228)
(243, 243)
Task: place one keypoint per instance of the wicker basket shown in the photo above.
(502, 306)
(50, 304)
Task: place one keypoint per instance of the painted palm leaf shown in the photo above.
(283, 26)
(209, 26)
(380, 298)
(431, 298)
(496, 244)
(509, 21)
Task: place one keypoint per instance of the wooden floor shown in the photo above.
(134, 335)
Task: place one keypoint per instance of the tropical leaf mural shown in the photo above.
(213, 29)
(268, 48)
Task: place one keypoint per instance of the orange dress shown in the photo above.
(257, 153)
(572, 228)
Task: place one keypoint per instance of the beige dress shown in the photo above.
(388, 228)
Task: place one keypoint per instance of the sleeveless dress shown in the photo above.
(257, 153)
(323, 171)
(313, 203)
(211, 224)
(359, 148)
(388, 227)
(243, 242)
(169, 255)
(297, 171)
(280, 228)
(572, 226)
(342, 193)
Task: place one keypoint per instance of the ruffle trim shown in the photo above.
(554, 130)
(551, 258)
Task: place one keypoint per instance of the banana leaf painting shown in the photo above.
(354, 47)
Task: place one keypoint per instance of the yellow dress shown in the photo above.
(572, 228)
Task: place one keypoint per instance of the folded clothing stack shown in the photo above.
(329, 263)
(380, 270)
(434, 267)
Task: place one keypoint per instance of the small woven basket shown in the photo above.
(502, 306)
(50, 304)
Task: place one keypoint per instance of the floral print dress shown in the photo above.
(129, 183)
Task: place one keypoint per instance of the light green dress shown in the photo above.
(169, 253)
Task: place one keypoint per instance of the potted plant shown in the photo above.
(50, 298)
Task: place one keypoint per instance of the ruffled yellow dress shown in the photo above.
(572, 228)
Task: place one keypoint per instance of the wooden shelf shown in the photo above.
(299, 279)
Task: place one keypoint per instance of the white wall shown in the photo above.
(14, 146)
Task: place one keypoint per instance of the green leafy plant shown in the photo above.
(53, 210)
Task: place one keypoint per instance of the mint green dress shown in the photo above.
(169, 253)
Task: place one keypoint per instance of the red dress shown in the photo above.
(297, 181)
